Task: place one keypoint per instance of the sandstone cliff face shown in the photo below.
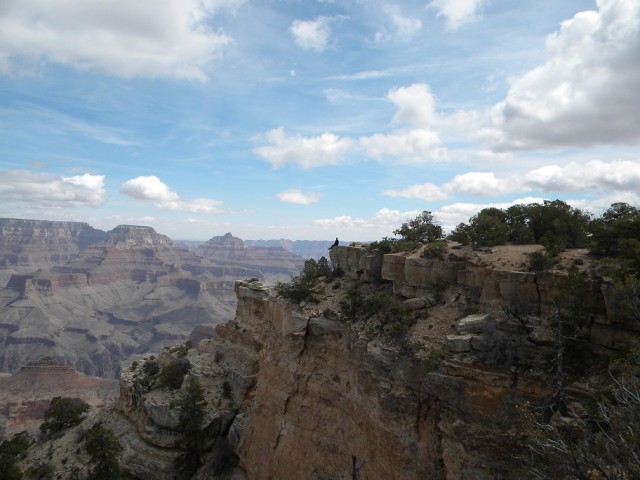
(321, 390)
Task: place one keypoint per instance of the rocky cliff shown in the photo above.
(310, 391)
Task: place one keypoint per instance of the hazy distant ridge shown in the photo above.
(304, 248)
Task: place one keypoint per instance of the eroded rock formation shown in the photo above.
(299, 391)
(26, 395)
(104, 297)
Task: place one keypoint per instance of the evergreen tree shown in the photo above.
(192, 409)
(62, 414)
(104, 449)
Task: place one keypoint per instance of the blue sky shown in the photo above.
(314, 119)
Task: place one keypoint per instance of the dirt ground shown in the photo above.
(516, 257)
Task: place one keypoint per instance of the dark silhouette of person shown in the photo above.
(335, 244)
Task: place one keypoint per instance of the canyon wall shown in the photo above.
(92, 299)
(314, 392)
(303, 391)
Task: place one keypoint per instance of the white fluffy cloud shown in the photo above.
(148, 188)
(419, 142)
(118, 37)
(311, 34)
(308, 152)
(586, 93)
(616, 176)
(401, 27)
(51, 190)
(416, 105)
(414, 146)
(383, 220)
(457, 12)
(295, 196)
(152, 188)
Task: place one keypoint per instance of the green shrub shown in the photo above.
(41, 471)
(394, 245)
(393, 317)
(435, 250)
(460, 234)
(172, 374)
(10, 452)
(540, 260)
(438, 286)
(226, 390)
(300, 289)
(323, 267)
(354, 304)
(489, 227)
(104, 450)
(62, 414)
(151, 367)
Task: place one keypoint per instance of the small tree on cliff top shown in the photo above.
(421, 229)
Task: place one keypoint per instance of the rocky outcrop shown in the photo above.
(301, 391)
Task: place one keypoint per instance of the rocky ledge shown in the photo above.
(304, 391)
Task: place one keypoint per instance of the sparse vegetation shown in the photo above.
(602, 443)
(10, 452)
(192, 411)
(304, 287)
(41, 471)
(226, 390)
(540, 260)
(172, 374)
(393, 318)
(62, 414)
(438, 286)
(104, 450)
(435, 250)
(354, 305)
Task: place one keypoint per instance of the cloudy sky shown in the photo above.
(310, 119)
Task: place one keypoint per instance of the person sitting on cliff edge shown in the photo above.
(335, 244)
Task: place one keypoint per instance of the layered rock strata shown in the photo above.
(269, 264)
(26, 395)
(301, 391)
(312, 392)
